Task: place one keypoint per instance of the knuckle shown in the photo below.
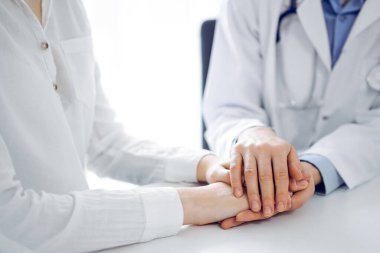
(281, 175)
(250, 172)
(238, 148)
(251, 148)
(266, 177)
(281, 149)
(264, 148)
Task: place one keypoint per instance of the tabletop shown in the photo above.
(344, 221)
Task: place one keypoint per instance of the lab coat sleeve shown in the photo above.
(353, 148)
(235, 71)
(85, 221)
(114, 154)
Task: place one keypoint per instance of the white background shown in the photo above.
(149, 56)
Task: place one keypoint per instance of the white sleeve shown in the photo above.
(115, 154)
(85, 221)
(353, 148)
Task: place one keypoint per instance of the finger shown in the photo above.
(247, 216)
(251, 182)
(230, 223)
(301, 197)
(295, 186)
(266, 184)
(281, 178)
(294, 165)
(235, 173)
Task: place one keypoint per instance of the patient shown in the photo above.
(55, 121)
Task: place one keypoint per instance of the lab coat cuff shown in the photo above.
(183, 168)
(331, 180)
(163, 212)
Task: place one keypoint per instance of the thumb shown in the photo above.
(294, 165)
(223, 175)
(295, 186)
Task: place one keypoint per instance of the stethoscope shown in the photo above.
(292, 102)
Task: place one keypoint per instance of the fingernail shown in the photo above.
(255, 206)
(238, 192)
(267, 211)
(281, 207)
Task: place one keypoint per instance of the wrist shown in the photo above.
(187, 197)
(256, 131)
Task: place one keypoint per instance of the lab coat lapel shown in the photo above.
(368, 15)
(311, 15)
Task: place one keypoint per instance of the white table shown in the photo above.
(345, 221)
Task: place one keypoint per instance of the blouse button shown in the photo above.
(44, 45)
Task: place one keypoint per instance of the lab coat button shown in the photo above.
(324, 118)
(373, 78)
(44, 45)
(55, 86)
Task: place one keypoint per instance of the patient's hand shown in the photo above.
(209, 204)
(212, 170)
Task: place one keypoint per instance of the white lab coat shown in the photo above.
(249, 74)
(55, 122)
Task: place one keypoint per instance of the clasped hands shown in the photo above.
(265, 173)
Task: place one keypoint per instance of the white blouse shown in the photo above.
(55, 122)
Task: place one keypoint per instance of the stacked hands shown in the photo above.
(263, 178)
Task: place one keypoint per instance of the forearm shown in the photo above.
(88, 221)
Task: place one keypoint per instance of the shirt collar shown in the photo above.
(351, 6)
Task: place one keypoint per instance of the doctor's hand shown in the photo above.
(264, 162)
(298, 199)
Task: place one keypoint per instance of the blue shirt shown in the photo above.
(339, 21)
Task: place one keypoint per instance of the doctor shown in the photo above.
(295, 75)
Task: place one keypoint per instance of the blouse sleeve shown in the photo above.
(115, 154)
(85, 221)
